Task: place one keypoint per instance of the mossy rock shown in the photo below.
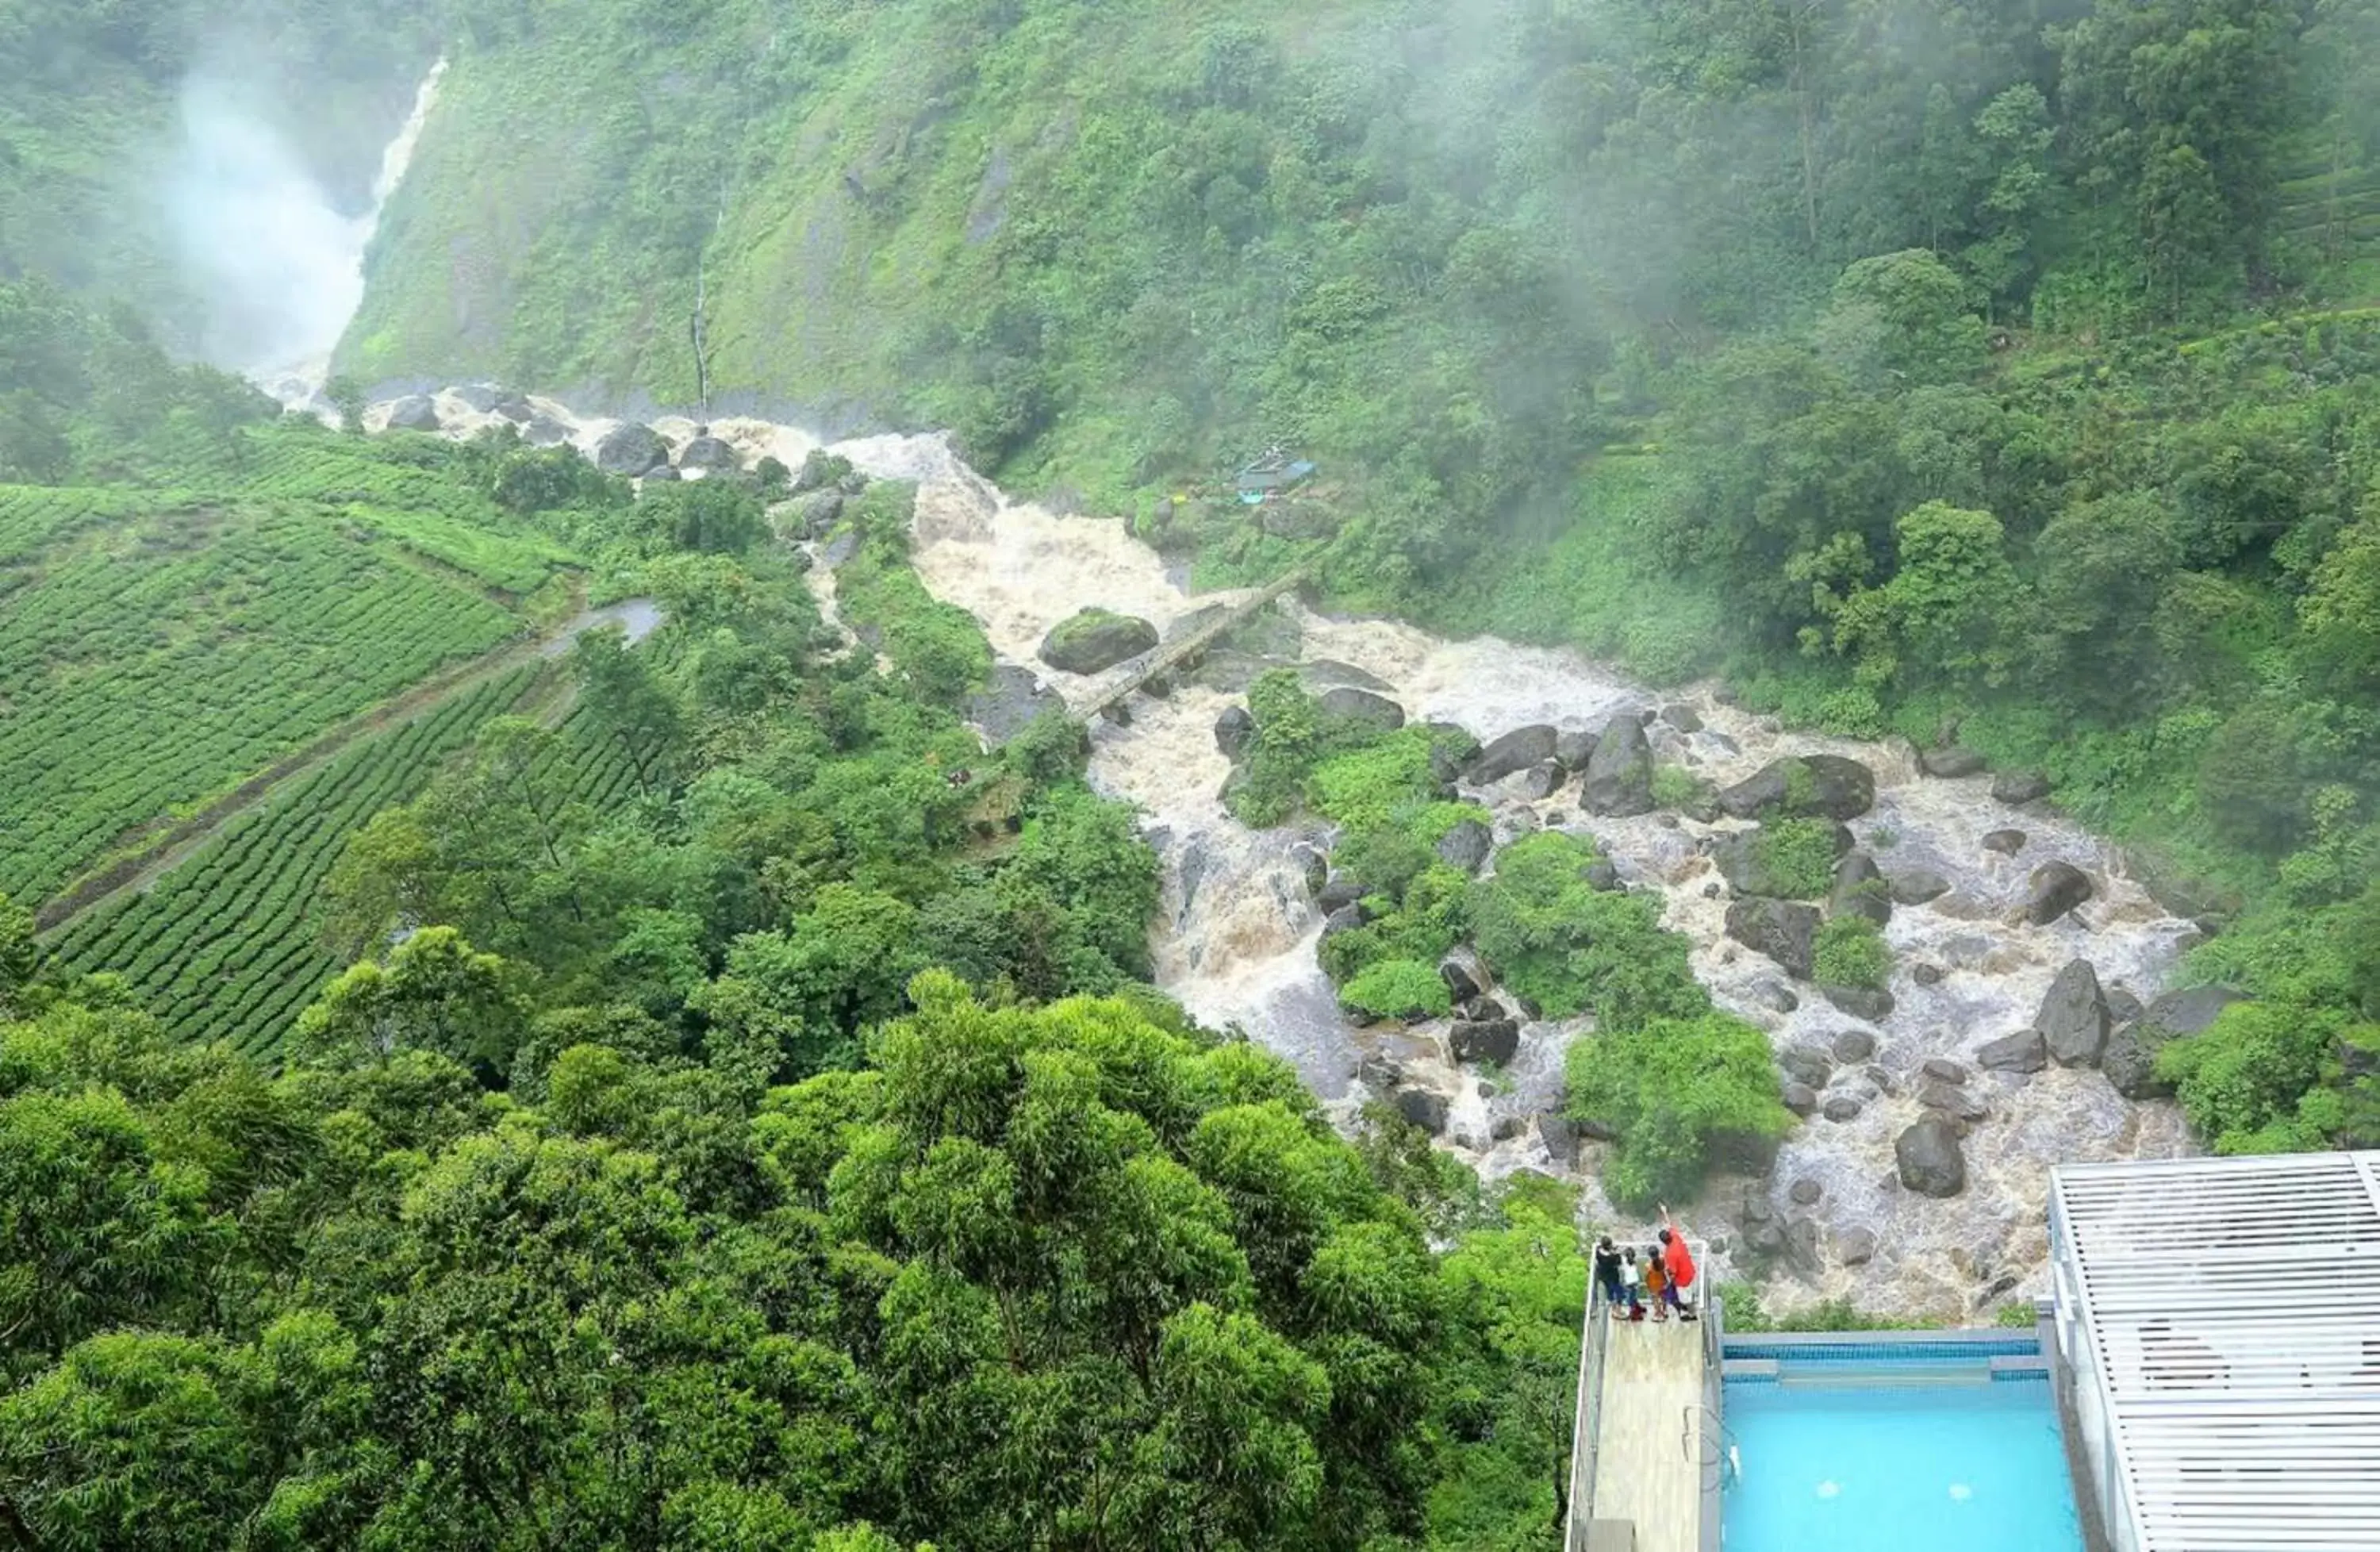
(1096, 640)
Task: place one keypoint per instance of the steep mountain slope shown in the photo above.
(1123, 237)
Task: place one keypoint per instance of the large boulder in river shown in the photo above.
(1423, 1109)
(1516, 751)
(1466, 977)
(1620, 772)
(2013, 787)
(2074, 1016)
(1737, 857)
(709, 454)
(1916, 886)
(1816, 786)
(1949, 763)
(2055, 888)
(1465, 846)
(2189, 1010)
(816, 514)
(633, 449)
(819, 470)
(2025, 1051)
(1094, 640)
(1860, 890)
(1364, 706)
(1872, 1003)
(1339, 892)
(1496, 1041)
(415, 412)
(1575, 748)
(1929, 1158)
(2130, 1060)
(1234, 726)
(1783, 930)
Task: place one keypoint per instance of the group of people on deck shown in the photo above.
(1659, 1283)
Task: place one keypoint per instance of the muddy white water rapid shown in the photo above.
(1236, 936)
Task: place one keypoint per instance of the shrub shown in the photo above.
(1798, 855)
(1265, 790)
(1397, 988)
(2243, 1081)
(1567, 946)
(1676, 787)
(1389, 857)
(1852, 712)
(1672, 1090)
(1850, 951)
(1346, 769)
(1363, 787)
(1428, 922)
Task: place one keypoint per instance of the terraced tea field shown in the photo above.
(227, 944)
(387, 489)
(156, 649)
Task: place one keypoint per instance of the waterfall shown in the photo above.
(317, 280)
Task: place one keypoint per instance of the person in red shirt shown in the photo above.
(1678, 1261)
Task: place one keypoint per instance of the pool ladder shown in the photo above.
(1711, 1447)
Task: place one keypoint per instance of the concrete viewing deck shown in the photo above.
(1649, 1468)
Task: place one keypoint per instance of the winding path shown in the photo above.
(134, 872)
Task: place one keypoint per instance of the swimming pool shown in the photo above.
(1884, 1447)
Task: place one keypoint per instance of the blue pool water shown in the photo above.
(1896, 1458)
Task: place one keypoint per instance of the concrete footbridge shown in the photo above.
(1109, 700)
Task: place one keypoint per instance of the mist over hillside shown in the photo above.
(194, 159)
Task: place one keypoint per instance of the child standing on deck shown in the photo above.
(1656, 1283)
(1631, 1285)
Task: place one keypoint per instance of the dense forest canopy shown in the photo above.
(725, 1128)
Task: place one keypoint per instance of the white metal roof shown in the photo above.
(2232, 1309)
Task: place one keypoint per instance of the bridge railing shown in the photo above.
(1587, 1419)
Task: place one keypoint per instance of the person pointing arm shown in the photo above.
(1676, 1259)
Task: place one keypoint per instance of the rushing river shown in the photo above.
(1237, 939)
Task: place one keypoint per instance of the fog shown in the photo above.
(276, 266)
